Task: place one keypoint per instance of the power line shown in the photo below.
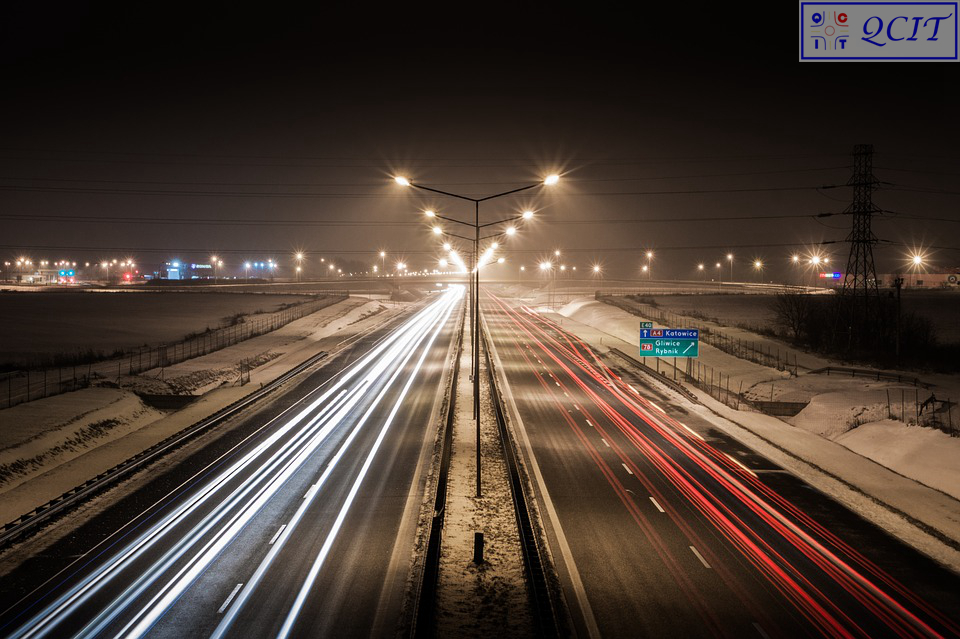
(262, 194)
(382, 182)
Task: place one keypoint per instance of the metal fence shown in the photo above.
(31, 384)
(757, 352)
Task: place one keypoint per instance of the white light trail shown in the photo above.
(240, 505)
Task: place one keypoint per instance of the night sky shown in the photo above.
(255, 131)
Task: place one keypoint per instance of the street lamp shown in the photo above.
(758, 265)
(720, 275)
(649, 269)
(597, 271)
(730, 259)
(700, 268)
(475, 278)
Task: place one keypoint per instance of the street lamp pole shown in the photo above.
(475, 277)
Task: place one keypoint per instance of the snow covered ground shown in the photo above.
(67, 321)
(51, 445)
(892, 473)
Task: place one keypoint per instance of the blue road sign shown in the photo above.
(670, 333)
(665, 347)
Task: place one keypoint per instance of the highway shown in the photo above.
(304, 527)
(663, 526)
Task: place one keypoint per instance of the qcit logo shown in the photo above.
(828, 30)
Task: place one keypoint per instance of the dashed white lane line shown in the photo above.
(557, 383)
(760, 630)
(659, 507)
(577, 407)
(700, 557)
(626, 468)
(565, 394)
(658, 408)
(692, 432)
(233, 594)
(605, 443)
(277, 536)
(740, 465)
(588, 423)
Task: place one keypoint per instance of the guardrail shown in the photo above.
(423, 616)
(44, 514)
(545, 609)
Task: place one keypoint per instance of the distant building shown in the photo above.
(177, 270)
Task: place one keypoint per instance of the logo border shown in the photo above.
(956, 28)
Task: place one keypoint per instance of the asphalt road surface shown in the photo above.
(663, 526)
(304, 527)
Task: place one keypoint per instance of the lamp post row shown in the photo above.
(475, 277)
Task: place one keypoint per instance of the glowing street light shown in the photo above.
(527, 215)
(437, 230)
(511, 230)
(475, 278)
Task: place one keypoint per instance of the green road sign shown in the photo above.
(661, 347)
(646, 324)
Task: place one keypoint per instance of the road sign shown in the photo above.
(646, 324)
(670, 333)
(665, 347)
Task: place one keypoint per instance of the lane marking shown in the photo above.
(700, 557)
(565, 394)
(626, 469)
(740, 465)
(605, 442)
(588, 423)
(278, 534)
(660, 508)
(233, 594)
(577, 407)
(557, 383)
(657, 407)
(760, 630)
(692, 432)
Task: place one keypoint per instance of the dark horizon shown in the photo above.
(163, 132)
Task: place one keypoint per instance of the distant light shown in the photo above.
(430, 213)
(557, 252)
(501, 260)
(758, 264)
(563, 267)
(596, 269)
(544, 266)
(510, 230)
(826, 260)
(299, 256)
(918, 259)
(649, 255)
(446, 246)
(551, 179)
(494, 246)
(523, 268)
(527, 215)
(437, 230)
(795, 258)
(699, 267)
(382, 254)
(443, 262)
(644, 268)
(730, 256)
(246, 265)
(815, 259)
(402, 181)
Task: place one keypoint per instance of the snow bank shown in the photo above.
(925, 454)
